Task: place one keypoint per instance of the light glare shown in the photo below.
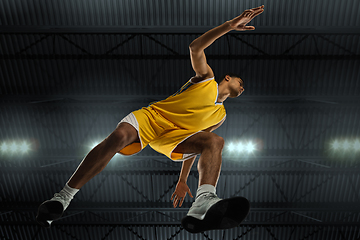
(231, 147)
(4, 147)
(94, 144)
(13, 147)
(241, 147)
(250, 147)
(346, 145)
(336, 145)
(24, 147)
(356, 145)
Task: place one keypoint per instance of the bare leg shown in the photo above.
(99, 157)
(209, 212)
(93, 163)
(210, 146)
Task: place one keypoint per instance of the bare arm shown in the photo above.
(185, 169)
(181, 187)
(197, 47)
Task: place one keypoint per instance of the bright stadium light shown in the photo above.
(346, 145)
(336, 145)
(250, 147)
(231, 147)
(13, 147)
(356, 145)
(24, 147)
(240, 147)
(4, 147)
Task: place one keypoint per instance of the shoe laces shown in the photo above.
(208, 195)
(61, 197)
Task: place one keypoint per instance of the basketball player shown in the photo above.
(179, 127)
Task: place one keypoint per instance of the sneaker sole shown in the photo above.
(225, 214)
(48, 211)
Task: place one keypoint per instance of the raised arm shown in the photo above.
(197, 47)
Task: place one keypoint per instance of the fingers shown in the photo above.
(251, 15)
(260, 7)
(257, 8)
(189, 193)
(258, 12)
(175, 202)
(255, 13)
(249, 28)
(181, 202)
(175, 198)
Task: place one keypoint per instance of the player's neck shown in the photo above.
(224, 93)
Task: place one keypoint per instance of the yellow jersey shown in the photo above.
(194, 106)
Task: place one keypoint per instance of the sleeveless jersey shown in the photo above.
(193, 107)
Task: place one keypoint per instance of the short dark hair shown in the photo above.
(218, 80)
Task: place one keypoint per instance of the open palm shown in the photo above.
(239, 23)
(180, 192)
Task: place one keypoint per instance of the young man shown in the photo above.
(180, 127)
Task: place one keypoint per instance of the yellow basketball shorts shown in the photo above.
(161, 134)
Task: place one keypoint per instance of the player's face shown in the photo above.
(236, 86)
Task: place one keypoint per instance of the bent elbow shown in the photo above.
(193, 47)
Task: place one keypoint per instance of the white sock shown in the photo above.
(68, 191)
(205, 188)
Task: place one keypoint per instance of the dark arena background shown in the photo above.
(71, 70)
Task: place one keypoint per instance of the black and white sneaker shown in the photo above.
(218, 213)
(52, 209)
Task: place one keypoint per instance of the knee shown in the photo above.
(118, 139)
(216, 142)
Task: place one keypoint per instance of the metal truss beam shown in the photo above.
(166, 224)
(147, 206)
(171, 57)
(273, 155)
(137, 209)
(175, 170)
(43, 163)
(109, 101)
(173, 30)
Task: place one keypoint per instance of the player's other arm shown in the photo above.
(197, 47)
(181, 187)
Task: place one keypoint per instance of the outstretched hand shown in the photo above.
(239, 23)
(179, 194)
